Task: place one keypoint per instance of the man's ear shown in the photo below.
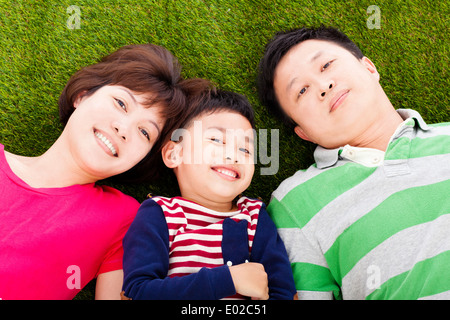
(299, 131)
(172, 154)
(370, 66)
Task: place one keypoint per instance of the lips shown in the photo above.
(106, 143)
(227, 173)
(338, 99)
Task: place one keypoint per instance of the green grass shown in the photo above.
(219, 40)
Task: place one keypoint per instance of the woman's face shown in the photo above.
(111, 131)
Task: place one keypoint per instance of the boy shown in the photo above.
(370, 219)
(204, 244)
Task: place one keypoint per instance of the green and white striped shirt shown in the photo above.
(366, 224)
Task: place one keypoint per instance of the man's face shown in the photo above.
(329, 93)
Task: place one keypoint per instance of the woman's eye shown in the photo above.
(121, 104)
(302, 91)
(145, 133)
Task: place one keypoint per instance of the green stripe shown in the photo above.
(404, 148)
(281, 215)
(432, 273)
(419, 205)
(311, 277)
(305, 200)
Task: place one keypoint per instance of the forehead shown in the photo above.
(224, 121)
(305, 53)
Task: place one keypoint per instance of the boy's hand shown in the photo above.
(250, 280)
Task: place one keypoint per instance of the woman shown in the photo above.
(59, 229)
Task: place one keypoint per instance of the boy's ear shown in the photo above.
(171, 154)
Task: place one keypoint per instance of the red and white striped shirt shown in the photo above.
(195, 232)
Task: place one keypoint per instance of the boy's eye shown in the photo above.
(244, 150)
(145, 133)
(121, 104)
(216, 140)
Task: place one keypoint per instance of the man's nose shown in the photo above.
(326, 87)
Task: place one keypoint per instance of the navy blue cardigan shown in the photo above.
(146, 260)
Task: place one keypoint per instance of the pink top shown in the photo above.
(53, 241)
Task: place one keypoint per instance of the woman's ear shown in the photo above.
(172, 154)
(79, 98)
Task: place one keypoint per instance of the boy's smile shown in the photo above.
(228, 173)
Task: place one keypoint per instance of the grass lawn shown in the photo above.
(219, 40)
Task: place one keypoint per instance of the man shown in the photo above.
(371, 218)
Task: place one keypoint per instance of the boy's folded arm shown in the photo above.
(268, 249)
(146, 262)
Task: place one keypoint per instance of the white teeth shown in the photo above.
(227, 172)
(106, 142)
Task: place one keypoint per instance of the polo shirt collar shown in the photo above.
(329, 157)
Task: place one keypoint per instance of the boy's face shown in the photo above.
(329, 93)
(215, 158)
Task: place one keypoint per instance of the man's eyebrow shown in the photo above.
(314, 58)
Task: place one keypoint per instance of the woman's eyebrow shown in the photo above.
(130, 94)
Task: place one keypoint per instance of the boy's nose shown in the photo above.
(230, 159)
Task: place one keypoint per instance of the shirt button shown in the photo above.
(229, 263)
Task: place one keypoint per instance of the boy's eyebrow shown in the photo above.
(224, 131)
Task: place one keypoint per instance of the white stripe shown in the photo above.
(184, 270)
(439, 296)
(194, 236)
(314, 295)
(194, 247)
(195, 258)
(299, 249)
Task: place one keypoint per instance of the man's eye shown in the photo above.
(121, 104)
(326, 65)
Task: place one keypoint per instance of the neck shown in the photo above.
(225, 206)
(53, 169)
(378, 135)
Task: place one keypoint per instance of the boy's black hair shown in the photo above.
(275, 50)
(214, 100)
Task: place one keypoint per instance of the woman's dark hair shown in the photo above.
(275, 50)
(145, 69)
